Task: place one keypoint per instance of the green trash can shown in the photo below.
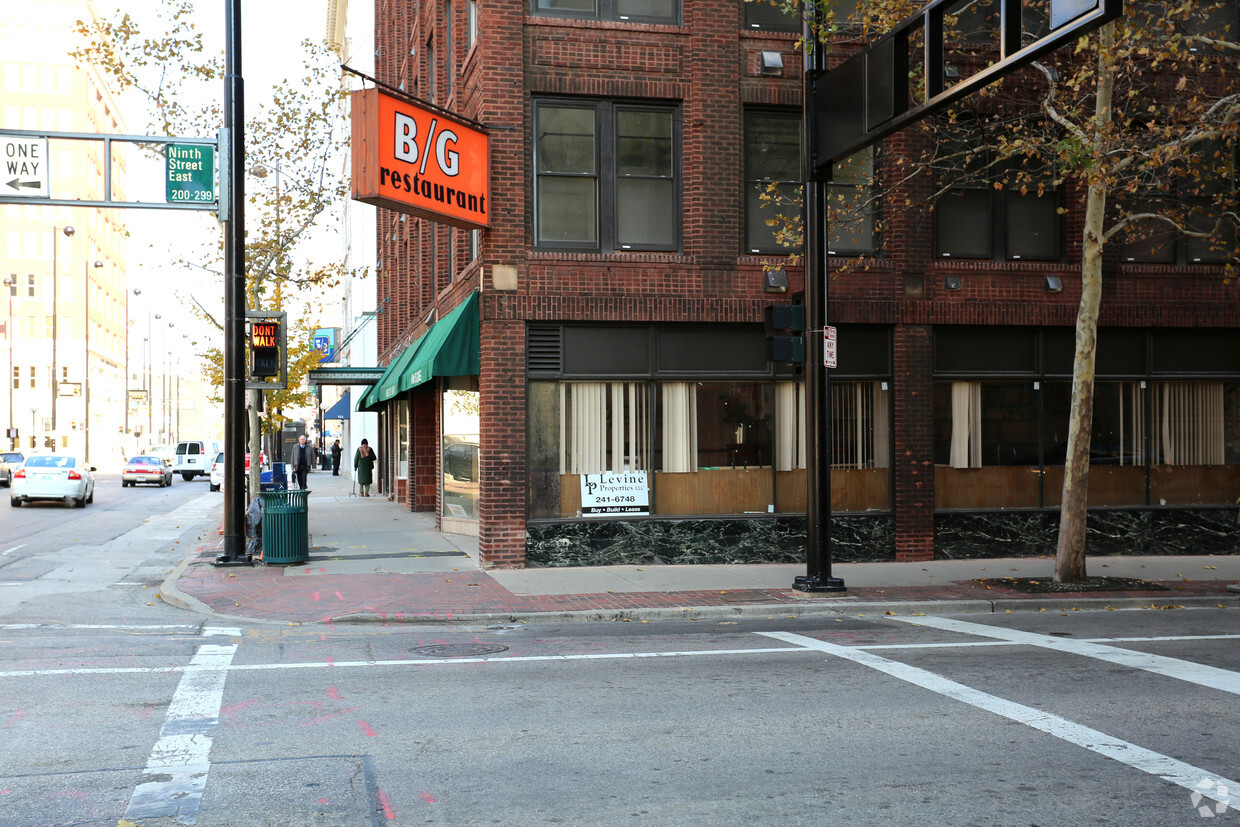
(286, 527)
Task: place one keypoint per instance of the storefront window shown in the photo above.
(986, 445)
(1117, 444)
(402, 440)
(1196, 442)
(715, 448)
(460, 454)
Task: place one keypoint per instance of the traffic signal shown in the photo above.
(265, 352)
(785, 329)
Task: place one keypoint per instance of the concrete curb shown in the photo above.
(775, 611)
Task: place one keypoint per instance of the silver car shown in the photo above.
(146, 469)
(10, 461)
(53, 477)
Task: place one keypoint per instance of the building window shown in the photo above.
(33, 377)
(12, 282)
(772, 181)
(706, 442)
(606, 176)
(30, 285)
(772, 15)
(472, 25)
(638, 11)
(1196, 196)
(995, 210)
(449, 56)
(850, 206)
(16, 378)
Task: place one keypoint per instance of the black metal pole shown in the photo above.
(234, 295)
(817, 398)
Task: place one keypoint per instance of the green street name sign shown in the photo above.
(190, 173)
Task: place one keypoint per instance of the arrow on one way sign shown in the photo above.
(23, 162)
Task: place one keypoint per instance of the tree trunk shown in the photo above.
(1070, 553)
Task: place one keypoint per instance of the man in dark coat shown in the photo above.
(336, 452)
(302, 457)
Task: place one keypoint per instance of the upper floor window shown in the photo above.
(1198, 197)
(772, 180)
(851, 205)
(772, 15)
(606, 175)
(637, 11)
(995, 209)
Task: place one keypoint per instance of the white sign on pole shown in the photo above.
(23, 162)
(828, 346)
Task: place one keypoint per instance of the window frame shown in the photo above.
(997, 205)
(605, 10)
(752, 181)
(606, 174)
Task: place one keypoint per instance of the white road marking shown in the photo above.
(221, 631)
(1182, 670)
(1162, 766)
(351, 664)
(9, 551)
(105, 626)
(180, 759)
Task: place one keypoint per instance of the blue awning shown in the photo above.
(340, 410)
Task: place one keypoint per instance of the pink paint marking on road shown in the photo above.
(370, 733)
(339, 596)
(429, 799)
(388, 812)
(332, 693)
(323, 801)
(330, 661)
(314, 596)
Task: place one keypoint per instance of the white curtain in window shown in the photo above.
(1188, 423)
(604, 426)
(679, 427)
(789, 426)
(966, 447)
(1131, 424)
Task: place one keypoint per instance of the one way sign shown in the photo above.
(23, 167)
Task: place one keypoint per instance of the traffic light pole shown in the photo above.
(234, 296)
(817, 576)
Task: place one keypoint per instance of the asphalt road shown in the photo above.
(116, 706)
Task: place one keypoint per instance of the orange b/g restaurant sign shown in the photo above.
(416, 160)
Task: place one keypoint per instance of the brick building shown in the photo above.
(604, 333)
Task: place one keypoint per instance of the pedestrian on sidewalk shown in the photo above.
(336, 452)
(364, 467)
(302, 458)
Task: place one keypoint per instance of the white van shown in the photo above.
(194, 458)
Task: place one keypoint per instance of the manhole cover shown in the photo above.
(459, 650)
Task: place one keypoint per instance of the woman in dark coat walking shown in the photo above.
(364, 467)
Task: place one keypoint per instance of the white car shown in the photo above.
(53, 477)
(217, 471)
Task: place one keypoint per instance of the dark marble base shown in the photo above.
(704, 541)
(871, 538)
(1033, 534)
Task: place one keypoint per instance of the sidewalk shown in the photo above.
(371, 560)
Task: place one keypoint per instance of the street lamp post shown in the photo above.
(10, 282)
(68, 231)
(86, 339)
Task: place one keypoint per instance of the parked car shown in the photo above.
(146, 469)
(193, 458)
(460, 458)
(217, 471)
(10, 461)
(217, 468)
(53, 477)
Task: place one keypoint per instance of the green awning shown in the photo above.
(450, 348)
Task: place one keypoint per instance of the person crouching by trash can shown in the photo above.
(364, 467)
(336, 452)
(302, 458)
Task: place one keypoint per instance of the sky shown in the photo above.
(271, 36)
